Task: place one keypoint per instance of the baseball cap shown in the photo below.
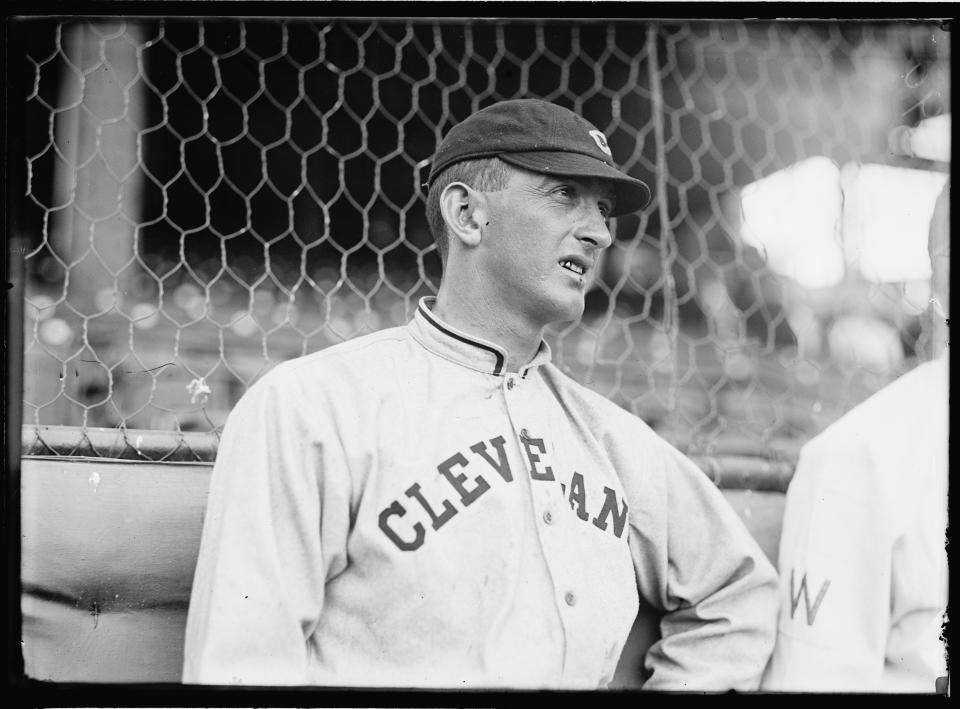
(541, 137)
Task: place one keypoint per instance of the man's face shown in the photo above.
(541, 243)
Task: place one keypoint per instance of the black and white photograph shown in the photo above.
(450, 358)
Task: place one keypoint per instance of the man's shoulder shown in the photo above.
(910, 413)
(359, 355)
(371, 345)
(586, 401)
(896, 409)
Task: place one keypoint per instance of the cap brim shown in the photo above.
(632, 194)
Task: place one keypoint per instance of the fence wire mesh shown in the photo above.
(208, 197)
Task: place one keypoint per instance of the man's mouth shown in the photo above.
(573, 267)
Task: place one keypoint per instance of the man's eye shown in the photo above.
(566, 191)
(605, 209)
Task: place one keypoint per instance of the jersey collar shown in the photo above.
(470, 351)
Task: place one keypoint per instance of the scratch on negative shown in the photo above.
(134, 371)
(152, 369)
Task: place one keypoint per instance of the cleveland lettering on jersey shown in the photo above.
(396, 510)
(578, 503)
(533, 456)
(468, 485)
(610, 509)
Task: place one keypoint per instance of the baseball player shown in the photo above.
(438, 506)
(863, 563)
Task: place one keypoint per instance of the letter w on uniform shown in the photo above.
(802, 591)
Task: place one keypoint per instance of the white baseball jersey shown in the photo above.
(398, 510)
(863, 565)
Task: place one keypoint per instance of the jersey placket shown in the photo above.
(530, 426)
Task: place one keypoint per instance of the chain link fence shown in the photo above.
(208, 197)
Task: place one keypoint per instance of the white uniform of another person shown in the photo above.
(863, 565)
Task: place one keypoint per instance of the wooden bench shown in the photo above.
(109, 546)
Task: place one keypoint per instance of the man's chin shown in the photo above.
(568, 311)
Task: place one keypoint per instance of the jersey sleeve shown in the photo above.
(259, 582)
(696, 561)
(835, 573)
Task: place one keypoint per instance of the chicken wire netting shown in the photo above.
(205, 198)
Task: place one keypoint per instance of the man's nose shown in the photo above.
(593, 228)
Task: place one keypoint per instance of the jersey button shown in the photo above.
(569, 598)
(510, 383)
(524, 433)
(548, 517)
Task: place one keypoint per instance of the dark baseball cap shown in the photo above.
(541, 137)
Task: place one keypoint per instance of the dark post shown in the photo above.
(14, 178)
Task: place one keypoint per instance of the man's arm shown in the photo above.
(259, 583)
(697, 562)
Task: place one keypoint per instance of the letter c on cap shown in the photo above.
(601, 140)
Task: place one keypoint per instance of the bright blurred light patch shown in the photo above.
(244, 324)
(916, 297)
(190, 299)
(931, 138)
(106, 298)
(39, 307)
(865, 342)
(56, 332)
(144, 316)
(886, 220)
(793, 217)
(263, 302)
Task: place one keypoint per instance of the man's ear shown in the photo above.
(464, 211)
